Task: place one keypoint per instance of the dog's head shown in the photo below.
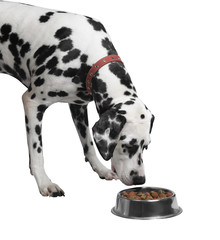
(121, 134)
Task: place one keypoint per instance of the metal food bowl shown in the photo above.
(146, 209)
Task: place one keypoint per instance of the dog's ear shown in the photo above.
(151, 122)
(106, 132)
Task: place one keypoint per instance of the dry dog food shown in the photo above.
(147, 195)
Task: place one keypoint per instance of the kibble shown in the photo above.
(152, 195)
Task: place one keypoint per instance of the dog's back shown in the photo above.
(27, 31)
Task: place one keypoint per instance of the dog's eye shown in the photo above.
(126, 146)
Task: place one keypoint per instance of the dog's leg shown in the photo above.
(33, 117)
(80, 118)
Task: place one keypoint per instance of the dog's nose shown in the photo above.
(138, 180)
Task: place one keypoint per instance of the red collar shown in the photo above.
(97, 66)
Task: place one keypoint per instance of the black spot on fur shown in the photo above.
(39, 82)
(26, 119)
(49, 13)
(25, 48)
(76, 80)
(27, 129)
(82, 73)
(71, 55)
(33, 96)
(52, 63)
(79, 114)
(98, 85)
(84, 58)
(102, 147)
(79, 102)
(40, 140)
(58, 94)
(82, 129)
(106, 43)
(135, 95)
(129, 103)
(30, 88)
(133, 141)
(17, 60)
(5, 30)
(140, 160)
(117, 68)
(84, 96)
(14, 38)
(13, 49)
(28, 66)
(127, 93)
(99, 90)
(123, 137)
(21, 73)
(43, 53)
(38, 129)
(46, 17)
(55, 71)
(61, 12)
(122, 112)
(41, 109)
(62, 33)
(96, 25)
(10, 71)
(70, 72)
(65, 45)
(20, 42)
(151, 122)
(40, 70)
(105, 105)
(132, 150)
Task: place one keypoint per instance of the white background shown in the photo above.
(172, 51)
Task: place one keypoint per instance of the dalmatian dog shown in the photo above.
(51, 53)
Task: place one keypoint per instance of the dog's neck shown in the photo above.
(111, 87)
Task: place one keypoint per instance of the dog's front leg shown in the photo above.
(80, 118)
(34, 111)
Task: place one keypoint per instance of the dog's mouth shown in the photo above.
(113, 169)
(123, 179)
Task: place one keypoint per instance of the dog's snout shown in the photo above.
(138, 180)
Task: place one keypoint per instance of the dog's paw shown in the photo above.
(51, 190)
(102, 171)
(107, 174)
